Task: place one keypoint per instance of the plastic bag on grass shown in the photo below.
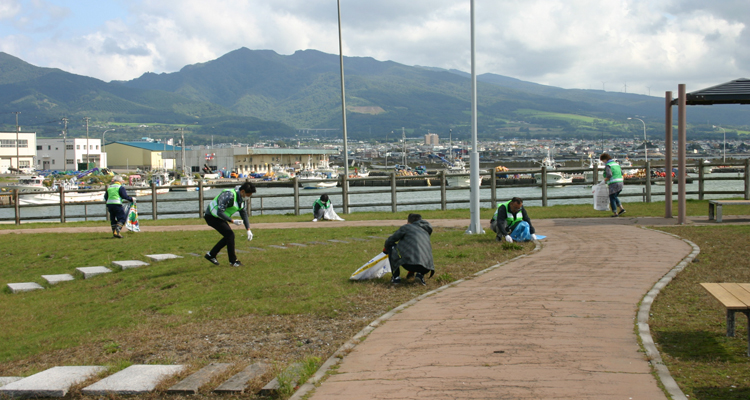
(373, 269)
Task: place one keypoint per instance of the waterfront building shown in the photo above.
(17, 155)
(69, 154)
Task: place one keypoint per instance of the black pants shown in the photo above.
(117, 216)
(227, 239)
(396, 271)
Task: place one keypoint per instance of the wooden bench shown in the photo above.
(735, 297)
(719, 203)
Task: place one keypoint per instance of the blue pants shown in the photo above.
(614, 201)
(117, 215)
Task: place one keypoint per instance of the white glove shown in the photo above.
(237, 222)
(508, 239)
(249, 235)
(533, 236)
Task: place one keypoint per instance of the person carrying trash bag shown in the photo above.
(510, 222)
(218, 215)
(113, 196)
(615, 182)
(409, 247)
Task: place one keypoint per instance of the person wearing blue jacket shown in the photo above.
(114, 195)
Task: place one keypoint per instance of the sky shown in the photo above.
(634, 46)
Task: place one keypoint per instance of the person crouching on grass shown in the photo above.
(218, 215)
(113, 196)
(410, 247)
(615, 182)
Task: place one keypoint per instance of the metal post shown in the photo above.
(493, 188)
(443, 192)
(394, 208)
(681, 143)
(648, 181)
(595, 174)
(475, 227)
(153, 201)
(62, 204)
(345, 182)
(701, 183)
(18, 157)
(668, 155)
(747, 179)
(544, 186)
(295, 182)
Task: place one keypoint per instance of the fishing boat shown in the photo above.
(141, 187)
(28, 184)
(52, 195)
(185, 182)
(554, 178)
(310, 179)
(457, 174)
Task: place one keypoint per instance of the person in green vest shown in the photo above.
(218, 215)
(319, 207)
(113, 196)
(512, 223)
(613, 179)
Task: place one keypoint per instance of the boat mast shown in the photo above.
(403, 139)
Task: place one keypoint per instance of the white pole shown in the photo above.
(345, 181)
(475, 226)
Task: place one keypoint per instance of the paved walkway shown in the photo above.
(557, 324)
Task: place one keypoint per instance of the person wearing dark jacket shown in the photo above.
(320, 206)
(511, 217)
(409, 247)
(113, 196)
(218, 215)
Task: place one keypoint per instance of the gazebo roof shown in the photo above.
(733, 92)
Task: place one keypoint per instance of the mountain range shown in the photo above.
(248, 95)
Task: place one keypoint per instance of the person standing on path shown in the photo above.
(218, 215)
(511, 222)
(410, 247)
(613, 179)
(113, 196)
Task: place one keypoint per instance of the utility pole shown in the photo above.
(18, 158)
(87, 142)
(65, 144)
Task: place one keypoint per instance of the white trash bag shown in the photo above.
(601, 197)
(330, 214)
(373, 269)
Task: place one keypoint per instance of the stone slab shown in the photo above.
(195, 255)
(314, 242)
(337, 241)
(55, 279)
(240, 251)
(135, 379)
(162, 257)
(238, 383)
(24, 287)
(192, 383)
(298, 244)
(54, 382)
(90, 272)
(4, 380)
(277, 246)
(358, 239)
(257, 248)
(128, 264)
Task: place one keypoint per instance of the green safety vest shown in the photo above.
(616, 172)
(113, 194)
(511, 220)
(229, 211)
(321, 205)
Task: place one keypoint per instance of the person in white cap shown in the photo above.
(114, 195)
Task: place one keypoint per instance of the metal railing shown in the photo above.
(392, 185)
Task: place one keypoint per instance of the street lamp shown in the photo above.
(725, 141)
(645, 142)
(103, 133)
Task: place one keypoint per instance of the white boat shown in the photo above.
(52, 195)
(137, 186)
(554, 178)
(28, 184)
(187, 181)
(309, 179)
(456, 174)
(588, 175)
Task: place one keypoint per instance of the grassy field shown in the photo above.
(283, 306)
(689, 325)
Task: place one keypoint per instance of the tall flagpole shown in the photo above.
(475, 227)
(345, 181)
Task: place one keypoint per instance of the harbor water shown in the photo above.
(456, 198)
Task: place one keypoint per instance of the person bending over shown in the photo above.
(409, 247)
(218, 215)
(510, 222)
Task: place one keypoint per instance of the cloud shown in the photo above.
(642, 45)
